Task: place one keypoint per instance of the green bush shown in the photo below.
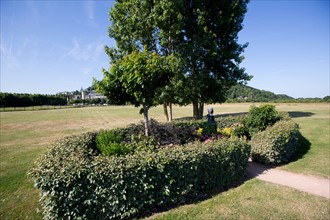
(77, 183)
(110, 142)
(240, 130)
(277, 144)
(259, 118)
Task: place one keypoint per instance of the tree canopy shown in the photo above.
(203, 34)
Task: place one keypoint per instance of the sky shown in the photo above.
(55, 46)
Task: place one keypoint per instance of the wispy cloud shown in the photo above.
(86, 71)
(7, 57)
(89, 6)
(14, 54)
(33, 12)
(84, 52)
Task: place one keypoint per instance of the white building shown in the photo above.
(90, 95)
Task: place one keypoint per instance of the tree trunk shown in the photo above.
(171, 113)
(198, 109)
(165, 111)
(146, 120)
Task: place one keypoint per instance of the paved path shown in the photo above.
(311, 184)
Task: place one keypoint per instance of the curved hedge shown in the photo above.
(75, 181)
(277, 144)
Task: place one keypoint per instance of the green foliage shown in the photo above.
(24, 100)
(127, 140)
(259, 118)
(111, 143)
(136, 77)
(241, 131)
(326, 99)
(277, 144)
(74, 183)
(209, 128)
(243, 93)
(209, 51)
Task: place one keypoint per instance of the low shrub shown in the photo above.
(277, 144)
(259, 118)
(111, 142)
(240, 130)
(77, 183)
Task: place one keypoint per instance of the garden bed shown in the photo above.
(120, 173)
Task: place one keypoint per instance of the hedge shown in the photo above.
(76, 182)
(277, 144)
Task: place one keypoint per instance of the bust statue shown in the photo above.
(210, 116)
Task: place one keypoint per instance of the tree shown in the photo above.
(212, 52)
(204, 34)
(136, 77)
(151, 24)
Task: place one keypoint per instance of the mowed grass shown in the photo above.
(26, 134)
(254, 199)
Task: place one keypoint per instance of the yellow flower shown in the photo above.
(227, 132)
(199, 131)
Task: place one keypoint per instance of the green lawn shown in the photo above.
(254, 199)
(26, 134)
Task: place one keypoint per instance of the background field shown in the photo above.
(26, 134)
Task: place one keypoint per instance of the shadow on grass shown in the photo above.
(297, 114)
(193, 200)
(215, 116)
(303, 147)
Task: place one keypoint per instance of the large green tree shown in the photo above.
(203, 33)
(213, 54)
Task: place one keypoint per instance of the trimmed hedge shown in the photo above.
(76, 182)
(277, 144)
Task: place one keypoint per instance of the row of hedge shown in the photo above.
(75, 181)
(25, 100)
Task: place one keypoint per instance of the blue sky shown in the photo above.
(54, 46)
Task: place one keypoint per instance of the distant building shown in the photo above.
(89, 95)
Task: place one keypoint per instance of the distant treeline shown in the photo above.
(242, 93)
(25, 100)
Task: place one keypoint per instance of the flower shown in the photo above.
(199, 131)
(227, 132)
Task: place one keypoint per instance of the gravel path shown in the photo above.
(310, 184)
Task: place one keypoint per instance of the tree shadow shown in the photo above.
(215, 116)
(303, 147)
(255, 169)
(230, 115)
(296, 114)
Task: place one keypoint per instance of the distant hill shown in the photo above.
(243, 93)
